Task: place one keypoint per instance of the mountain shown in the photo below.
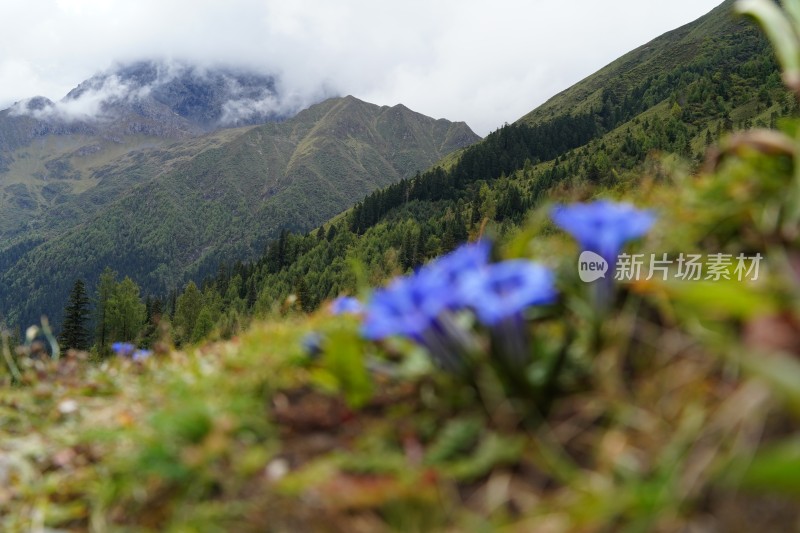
(716, 45)
(676, 95)
(669, 99)
(48, 149)
(170, 205)
(172, 98)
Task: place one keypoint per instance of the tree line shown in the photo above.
(497, 181)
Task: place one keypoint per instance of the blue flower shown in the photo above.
(123, 349)
(407, 306)
(141, 355)
(465, 258)
(498, 294)
(451, 270)
(505, 289)
(418, 307)
(603, 226)
(346, 305)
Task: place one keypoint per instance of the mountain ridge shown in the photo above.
(689, 37)
(183, 207)
(601, 144)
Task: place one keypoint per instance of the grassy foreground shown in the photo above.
(673, 408)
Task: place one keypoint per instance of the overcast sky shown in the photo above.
(472, 60)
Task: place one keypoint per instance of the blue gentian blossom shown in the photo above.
(126, 349)
(499, 293)
(407, 306)
(123, 349)
(451, 270)
(141, 355)
(420, 306)
(603, 226)
(503, 290)
(346, 305)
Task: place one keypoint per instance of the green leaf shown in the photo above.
(457, 436)
(792, 7)
(494, 450)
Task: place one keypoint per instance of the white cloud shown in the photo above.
(468, 60)
(238, 111)
(102, 96)
(89, 105)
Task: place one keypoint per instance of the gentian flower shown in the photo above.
(123, 349)
(346, 305)
(451, 270)
(141, 355)
(407, 306)
(505, 289)
(500, 293)
(603, 226)
(420, 307)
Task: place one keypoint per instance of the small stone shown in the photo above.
(67, 406)
(277, 469)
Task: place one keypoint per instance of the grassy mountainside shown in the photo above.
(199, 202)
(52, 152)
(676, 95)
(716, 43)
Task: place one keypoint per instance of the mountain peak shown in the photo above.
(188, 97)
(38, 102)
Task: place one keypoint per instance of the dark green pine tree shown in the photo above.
(75, 330)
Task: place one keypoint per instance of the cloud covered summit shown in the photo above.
(207, 97)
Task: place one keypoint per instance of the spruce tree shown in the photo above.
(125, 312)
(187, 309)
(75, 330)
(105, 292)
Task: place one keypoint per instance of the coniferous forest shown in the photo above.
(497, 181)
(682, 109)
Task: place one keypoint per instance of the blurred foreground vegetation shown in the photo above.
(676, 408)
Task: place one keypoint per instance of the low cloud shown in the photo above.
(248, 103)
(221, 95)
(461, 60)
(88, 103)
(241, 111)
